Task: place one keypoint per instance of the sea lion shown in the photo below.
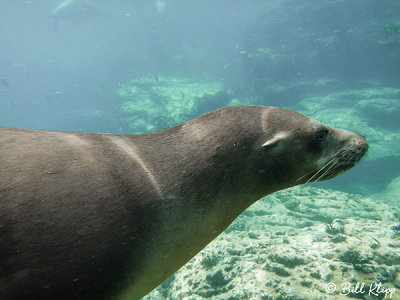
(109, 216)
(74, 11)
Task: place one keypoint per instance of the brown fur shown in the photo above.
(100, 216)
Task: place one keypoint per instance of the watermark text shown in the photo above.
(372, 289)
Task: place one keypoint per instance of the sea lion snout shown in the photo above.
(361, 142)
(343, 150)
(350, 137)
(353, 142)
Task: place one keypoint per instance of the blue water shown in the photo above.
(51, 74)
(66, 77)
(64, 70)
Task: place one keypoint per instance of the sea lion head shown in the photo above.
(297, 149)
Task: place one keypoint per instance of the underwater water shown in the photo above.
(137, 66)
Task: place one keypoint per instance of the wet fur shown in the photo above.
(100, 216)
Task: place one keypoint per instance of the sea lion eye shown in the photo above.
(321, 135)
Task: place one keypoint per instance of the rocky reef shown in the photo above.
(153, 102)
(302, 243)
(373, 112)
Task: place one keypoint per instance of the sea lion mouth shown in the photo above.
(344, 160)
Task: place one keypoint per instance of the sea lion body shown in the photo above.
(102, 216)
(74, 11)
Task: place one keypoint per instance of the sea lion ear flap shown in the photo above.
(280, 136)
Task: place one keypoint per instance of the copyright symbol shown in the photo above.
(330, 288)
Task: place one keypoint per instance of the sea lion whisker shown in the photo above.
(359, 154)
(325, 173)
(305, 175)
(354, 156)
(320, 170)
(315, 175)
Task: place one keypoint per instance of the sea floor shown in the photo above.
(301, 243)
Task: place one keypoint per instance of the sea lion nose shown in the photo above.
(350, 138)
(361, 143)
(363, 138)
